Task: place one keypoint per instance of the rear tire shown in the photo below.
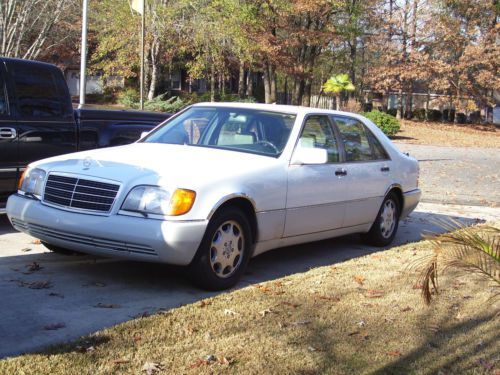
(384, 228)
(60, 250)
(224, 251)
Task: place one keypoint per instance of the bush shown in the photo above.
(129, 98)
(159, 104)
(419, 114)
(387, 123)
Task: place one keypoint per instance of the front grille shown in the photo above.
(104, 244)
(79, 193)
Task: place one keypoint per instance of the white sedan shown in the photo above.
(219, 183)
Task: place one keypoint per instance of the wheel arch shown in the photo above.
(398, 191)
(244, 203)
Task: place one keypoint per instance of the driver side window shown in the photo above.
(317, 133)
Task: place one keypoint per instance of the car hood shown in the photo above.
(159, 164)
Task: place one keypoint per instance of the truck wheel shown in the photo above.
(60, 250)
(224, 251)
(385, 226)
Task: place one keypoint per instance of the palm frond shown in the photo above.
(473, 250)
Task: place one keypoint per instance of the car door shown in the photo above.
(45, 121)
(8, 143)
(368, 170)
(316, 193)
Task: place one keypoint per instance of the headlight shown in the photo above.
(31, 181)
(158, 201)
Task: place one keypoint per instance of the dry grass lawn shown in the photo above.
(363, 316)
(442, 134)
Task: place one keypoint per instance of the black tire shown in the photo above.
(60, 250)
(208, 270)
(380, 234)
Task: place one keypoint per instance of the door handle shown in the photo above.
(8, 133)
(385, 169)
(341, 172)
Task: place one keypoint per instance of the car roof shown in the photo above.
(292, 109)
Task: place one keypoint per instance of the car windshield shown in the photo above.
(255, 131)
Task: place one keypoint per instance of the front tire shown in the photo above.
(224, 251)
(384, 228)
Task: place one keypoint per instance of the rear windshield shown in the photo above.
(246, 130)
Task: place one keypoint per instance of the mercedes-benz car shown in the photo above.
(217, 184)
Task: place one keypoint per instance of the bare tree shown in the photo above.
(26, 25)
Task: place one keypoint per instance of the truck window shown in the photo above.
(3, 98)
(36, 91)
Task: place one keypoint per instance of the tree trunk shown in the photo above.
(273, 93)
(155, 67)
(241, 81)
(249, 83)
(267, 86)
(298, 91)
(212, 83)
(427, 103)
(306, 99)
(399, 113)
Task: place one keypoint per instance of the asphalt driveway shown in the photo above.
(49, 298)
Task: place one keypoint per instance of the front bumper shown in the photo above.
(410, 202)
(128, 237)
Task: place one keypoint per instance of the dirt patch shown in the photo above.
(363, 316)
(439, 134)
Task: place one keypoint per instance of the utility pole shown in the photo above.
(83, 58)
(143, 32)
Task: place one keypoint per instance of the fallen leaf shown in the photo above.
(33, 267)
(52, 294)
(354, 333)
(312, 349)
(53, 327)
(395, 353)
(406, 309)
(294, 305)
(265, 312)
(95, 283)
(485, 364)
(120, 361)
(107, 305)
(262, 288)
(143, 314)
(374, 294)
(26, 249)
(301, 322)
(36, 242)
(151, 367)
(330, 298)
(205, 303)
(38, 285)
(359, 279)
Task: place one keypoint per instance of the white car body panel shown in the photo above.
(292, 203)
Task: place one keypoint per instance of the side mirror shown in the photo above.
(309, 155)
(143, 134)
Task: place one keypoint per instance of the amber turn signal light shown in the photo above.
(181, 202)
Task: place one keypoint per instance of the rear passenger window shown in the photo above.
(317, 133)
(359, 142)
(4, 109)
(36, 91)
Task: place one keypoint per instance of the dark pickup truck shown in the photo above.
(37, 120)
